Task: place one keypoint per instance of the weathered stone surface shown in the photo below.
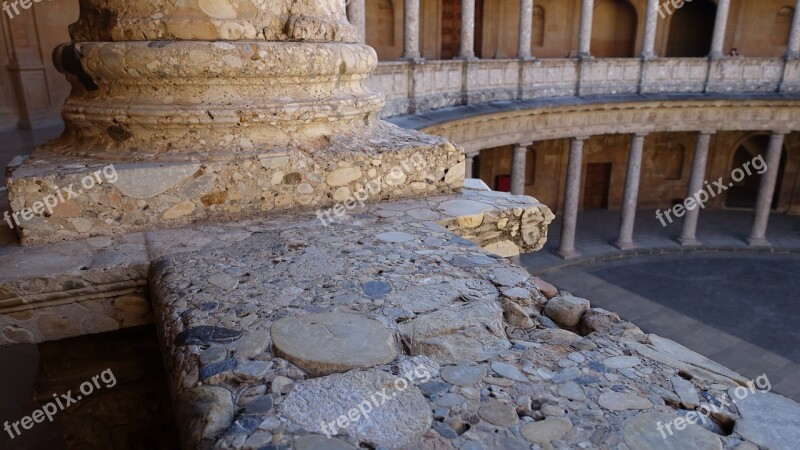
(464, 375)
(621, 362)
(327, 343)
(686, 392)
(546, 431)
(206, 411)
(566, 310)
(768, 420)
(516, 316)
(469, 332)
(571, 390)
(500, 414)
(207, 335)
(509, 371)
(394, 423)
(598, 320)
(547, 289)
(315, 442)
(642, 433)
(620, 401)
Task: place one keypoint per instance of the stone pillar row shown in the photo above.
(720, 29)
(631, 194)
(585, 35)
(518, 166)
(793, 50)
(357, 15)
(525, 29)
(219, 110)
(688, 235)
(412, 29)
(650, 28)
(467, 29)
(766, 190)
(411, 42)
(571, 199)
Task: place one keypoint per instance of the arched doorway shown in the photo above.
(614, 29)
(691, 30)
(743, 194)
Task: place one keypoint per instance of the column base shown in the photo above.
(688, 242)
(630, 245)
(88, 197)
(758, 242)
(567, 254)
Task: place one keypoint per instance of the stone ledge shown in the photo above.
(100, 284)
(488, 359)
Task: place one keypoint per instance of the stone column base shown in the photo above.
(758, 242)
(57, 198)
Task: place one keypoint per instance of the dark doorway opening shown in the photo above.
(691, 30)
(598, 186)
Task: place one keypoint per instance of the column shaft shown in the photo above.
(650, 28)
(467, 29)
(357, 15)
(585, 37)
(720, 28)
(525, 29)
(794, 39)
(572, 196)
(689, 231)
(518, 166)
(469, 163)
(766, 191)
(411, 34)
(631, 195)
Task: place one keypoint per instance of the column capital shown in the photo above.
(581, 138)
(641, 134)
(707, 132)
(781, 132)
(525, 144)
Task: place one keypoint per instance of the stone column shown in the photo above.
(720, 28)
(525, 29)
(469, 163)
(689, 230)
(357, 15)
(650, 28)
(411, 48)
(631, 195)
(585, 37)
(572, 196)
(467, 29)
(518, 166)
(793, 50)
(193, 112)
(766, 191)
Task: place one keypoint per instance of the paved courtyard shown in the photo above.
(736, 306)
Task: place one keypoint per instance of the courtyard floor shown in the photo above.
(725, 300)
